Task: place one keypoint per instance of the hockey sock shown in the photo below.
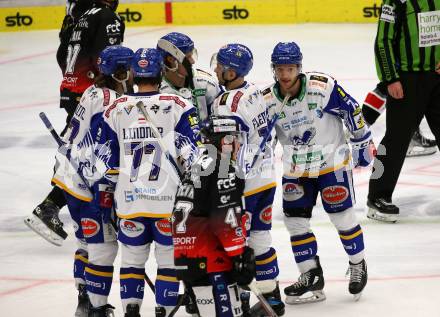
(353, 242)
(79, 265)
(266, 265)
(132, 285)
(56, 196)
(167, 287)
(99, 282)
(304, 249)
(220, 290)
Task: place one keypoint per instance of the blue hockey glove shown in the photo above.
(363, 150)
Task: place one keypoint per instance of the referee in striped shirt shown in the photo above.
(407, 51)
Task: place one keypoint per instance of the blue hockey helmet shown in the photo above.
(147, 63)
(237, 57)
(286, 53)
(176, 44)
(113, 58)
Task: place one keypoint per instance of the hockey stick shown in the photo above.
(62, 148)
(158, 136)
(270, 127)
(149, 282)
(264, 304)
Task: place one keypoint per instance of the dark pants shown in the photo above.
(68, 101)
(421, 98)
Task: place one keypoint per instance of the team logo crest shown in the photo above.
(164, 227)
(131, 229)
(334, 195)
(266, 215)
(143, 63)
(90, 227)
(292, 192)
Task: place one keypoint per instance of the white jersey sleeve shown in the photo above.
(79, 140)
(247, 106)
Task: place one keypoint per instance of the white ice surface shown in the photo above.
(36, 277)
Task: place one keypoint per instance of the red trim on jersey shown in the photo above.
(106, 96)
(113, 106)
(374, 101)
(235, 101)
(168, 12)
(176, 99)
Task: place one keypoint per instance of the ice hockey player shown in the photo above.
(244, 102)
(316, 160)
(91, 208)
(375, 104)
(98, 27)
(182, 78)
(147, 182)
(208, 234)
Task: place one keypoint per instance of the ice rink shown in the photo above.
(36, 277)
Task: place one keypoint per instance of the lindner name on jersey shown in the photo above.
(139, 133)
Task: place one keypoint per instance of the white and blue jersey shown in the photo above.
(79, 137)
(311, 125)
(147, 182)
(246, 105)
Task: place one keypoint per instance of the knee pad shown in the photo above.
(297, 225)
(164, 256)
(260, 241)
(103, 253)
(134, 256)
(344, 220)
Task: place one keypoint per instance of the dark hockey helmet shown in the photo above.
(147, 63)
(286, 53)
(220, 130)
(234, 56)
(113, 58)
(112, 4)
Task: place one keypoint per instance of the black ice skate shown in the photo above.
(132, 311)
(421, 146)
(102, 311)
(273, 299)
(45, 222)
(382, 209)
(82, 310)
(358, 278)
(309, 282)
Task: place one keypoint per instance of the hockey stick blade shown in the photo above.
(265, 305)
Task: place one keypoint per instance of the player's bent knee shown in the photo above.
(260, 241)
(103, 253)
(134, 256)
(297, 225)
(344, 220)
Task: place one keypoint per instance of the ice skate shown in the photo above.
(82, 310)
(274, 300)
(421, 146)
(382, 209)
(102, 311)
(45, 222)
(132, 311)
(358, 278)
(308, 289)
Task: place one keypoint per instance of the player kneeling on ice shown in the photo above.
(91, 208)
(208, 234)
(244, 102)
(309, 110)
(138, 130)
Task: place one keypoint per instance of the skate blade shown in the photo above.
(317, 296)
(356, 297)
(35, 223)
(422, 151)
(376, 215)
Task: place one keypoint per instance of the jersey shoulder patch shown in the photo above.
(266, 91)
(224, 99)
(320, 81)
(177, 100)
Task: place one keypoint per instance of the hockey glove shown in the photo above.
(363, 150)
(243, 267)
(103, 200)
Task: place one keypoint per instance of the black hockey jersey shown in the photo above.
(96, 29)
